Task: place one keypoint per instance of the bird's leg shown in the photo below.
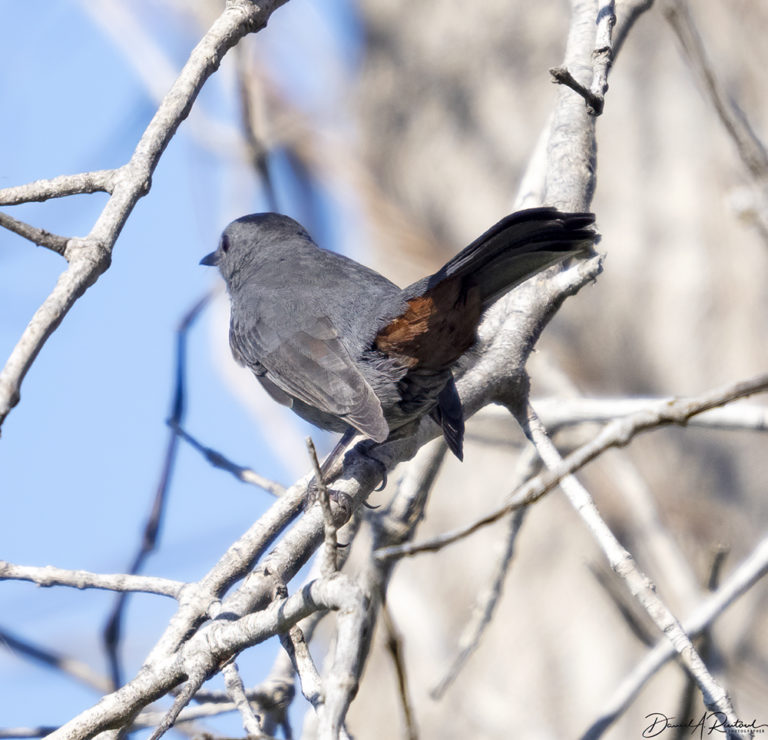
(328, 468)
(331, 467)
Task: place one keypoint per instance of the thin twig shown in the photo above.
(48, 575)
(41, 237)
(251, 105)
(488, 599)
(113, 627)
(715, 697)
(90, 256)
(59, 187)
(602, 56)
(704, 644)
(296, 647)
(561, 412)
(215, 458)
(627, 12)
(194, 681)
(562, 76)
(10, 733)
(751, 150)
(69, 666)
(484, 608)
(617, 433)
(394, 644)
(751, 570)
(236, 691)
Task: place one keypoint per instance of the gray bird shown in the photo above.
(348, 349)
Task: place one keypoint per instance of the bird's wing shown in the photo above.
(310, 364)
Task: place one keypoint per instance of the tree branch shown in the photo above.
(617, 433)
(51, 576)
(41, 237)
(59, 187)
(638, 583)
(91, 256)
(741, 580)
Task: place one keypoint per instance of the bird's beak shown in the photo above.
(211, 260)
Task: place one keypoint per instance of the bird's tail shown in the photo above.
(516, 248)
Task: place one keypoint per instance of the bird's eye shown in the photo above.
(224, 243)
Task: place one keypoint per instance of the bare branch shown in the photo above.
(562, 76)
(50, 576)
(484, 608)
(741, 580)
(59, 187)
(297, 649)
(69, 666)
(90, 257)
(560, 412)
(627, 12)
(251, 106)
(41, 237)
(641, 587)
(618, 433)
(602, 56)
(395, 647)
(751, 150)
(219, 641)
(753, 153)
(236, 691)
(486, 602)
(25, 732)
(246, 475)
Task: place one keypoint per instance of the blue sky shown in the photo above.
(81, 454)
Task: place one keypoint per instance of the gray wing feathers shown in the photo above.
(313, 366)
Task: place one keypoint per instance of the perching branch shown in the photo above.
(617, 433)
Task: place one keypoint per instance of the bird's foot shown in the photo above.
(365, 448)
(341, 503)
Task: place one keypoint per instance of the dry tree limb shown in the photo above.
(41, 237)
(90, 256)
(752, 569)
(485, 605)
(48, 575)
(751, 150)
(627, 12)
(561, 412)
(236, 691)
(100, 181)
(484, 608)
(617, 433)
(243, 474)
(328, 553)
(624, 565)
(71, 667)
(219, 641)
(394, 642)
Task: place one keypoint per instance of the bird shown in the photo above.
(350, 351)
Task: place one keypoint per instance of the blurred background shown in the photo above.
(396, 132)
